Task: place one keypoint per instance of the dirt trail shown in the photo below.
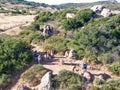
(56, 66)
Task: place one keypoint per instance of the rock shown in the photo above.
(97, 8)
(45, 82)
(70, 15)
(20, 87)
(106, 12)
(87, 75)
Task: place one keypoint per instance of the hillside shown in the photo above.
(15, 7)
(48, 49)
(109, 4)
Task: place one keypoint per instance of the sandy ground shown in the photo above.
(15, 22)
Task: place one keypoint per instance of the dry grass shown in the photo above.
(11, 21)
(32, 76)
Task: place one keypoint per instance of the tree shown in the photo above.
(85, 15)
(70, 23)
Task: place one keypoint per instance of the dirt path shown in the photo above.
(56, 66)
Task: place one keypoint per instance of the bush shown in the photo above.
(106, 87)
(43, 17)
(67, 80)
(114, 83)
(115, 68)
(94, 88)
(98, 81)
(85, 15)
(14, 56)
(4, 80)
(33, 76)
(71, 24)
(56, 43)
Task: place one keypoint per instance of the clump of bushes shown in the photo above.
(115, 68)
(15, 55)
(67, 80)
(56, 43)
(33, 76)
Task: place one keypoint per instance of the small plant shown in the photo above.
(106, 87)
(67, 80)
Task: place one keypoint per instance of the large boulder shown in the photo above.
(97, 8)
(45, 82)
(88, 76)
(106, 12)
(70, 15)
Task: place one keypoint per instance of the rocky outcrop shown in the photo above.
(70, 15)
(45, 82)
(101, 10)
(97, 8)
(106, 12)
(87, 75)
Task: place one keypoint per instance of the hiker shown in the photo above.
(47, 56)
(67, 53)
(52, 53)
(39, 58)
(84, 67)
(35, 54)
(72, 54)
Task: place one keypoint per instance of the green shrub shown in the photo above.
(67, 80)
(115, 68)
(106, 87)
(94, 88)
(114, 83)
(71, 24)
(14, 56)
(4, 80)
(57, 43)
(33, 75)
(98, 81)
(85, 15)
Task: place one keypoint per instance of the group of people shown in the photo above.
(40, 57)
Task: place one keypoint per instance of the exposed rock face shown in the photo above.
(72, 54)
(70, 15)
(87, 75)
(106, 12)
(101, 10)
(97, 8)
(45, 82)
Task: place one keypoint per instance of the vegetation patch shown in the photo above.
(33, 76)
(15, 55)
(67, 80)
